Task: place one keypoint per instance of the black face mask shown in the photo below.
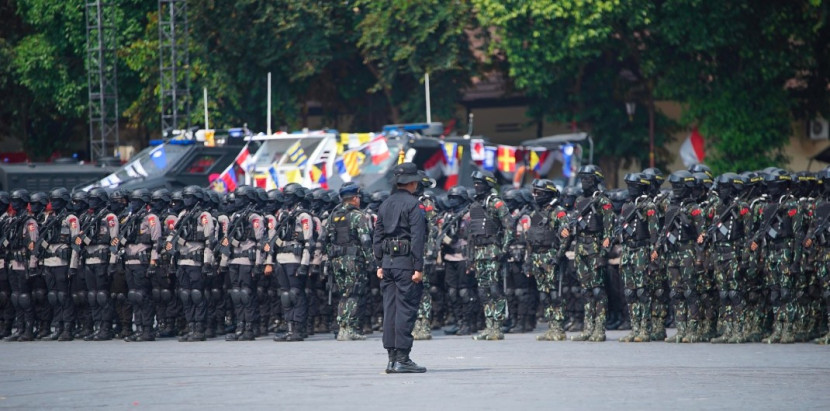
(589, 185)
(177, 205)
(542, 199)
(18, 205)
(37, 208)
(635, 190)
(482, 189)
(136, 206)
(679, 193)
(453, 202)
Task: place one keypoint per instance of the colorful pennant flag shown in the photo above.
(341, 170)
(272, 171)
(434, 165)
(507, 159)
(296, 154)
(489, 162)
(477, 149)
(450, 151)
(294, 176)
(229, 178)
(353, 160)
(244, 159)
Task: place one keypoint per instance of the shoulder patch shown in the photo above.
(421, 206)
(171, 224)
(607, 206)
(204, 219)
(32, 226)
(152, 221)
(428, 208)
(111, 220)
(650, 213)
(499, 204)
(256, 223)
(744, 211)
(792, 212)
(561, 214)
(696, 212)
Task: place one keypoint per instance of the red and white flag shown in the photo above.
(691, 151)
(477, 149)
(244, 159)
(379, 150)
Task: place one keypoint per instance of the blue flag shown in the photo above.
(489, 163)
(159, 157)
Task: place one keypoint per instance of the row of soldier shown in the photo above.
(732, 259)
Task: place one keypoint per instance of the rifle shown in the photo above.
(450, 224)
(175, 241)
(329, 279)
(765, 225)
(84, 235)
(43, 244)
(224, 248)
(128, 225)
(822, 212)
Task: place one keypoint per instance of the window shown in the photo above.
(202, 164)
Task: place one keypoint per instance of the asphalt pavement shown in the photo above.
(321, 373)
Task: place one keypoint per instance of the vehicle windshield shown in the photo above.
(148, 163)
(274, 152)
(371, 173)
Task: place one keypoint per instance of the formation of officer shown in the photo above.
(733, 258)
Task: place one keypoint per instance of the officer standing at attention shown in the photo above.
(399, 239)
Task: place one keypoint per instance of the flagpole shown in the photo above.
(426, 85)
(268, 129)
(207, 126)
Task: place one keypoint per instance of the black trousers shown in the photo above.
(401, 298)
(190, 278)
(140, 294)
(292, 293)
(243, 281)
(98, 292)
(60, 293)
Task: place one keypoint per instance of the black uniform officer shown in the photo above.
(399, 239)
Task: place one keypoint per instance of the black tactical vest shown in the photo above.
(589, 221)
(340, 229)
(540, 234)
(481, 225)
(783, 223)
(633, 227)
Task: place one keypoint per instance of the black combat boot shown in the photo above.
(248, 334)
(57, 333)
(28, 333)
(198, 333)
(404, 365)
(133, 336)
(44, 330)
(144, 334)
(66, 335)
(190, 328)
(289, 331)
(298, 333)
(105, 332)
(393, 356)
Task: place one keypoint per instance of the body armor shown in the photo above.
(822, 216)
(540, 234)
(634, 226)
(728, 228)
(482, 225)
(341, 230)
(588, 220)
(782, 225)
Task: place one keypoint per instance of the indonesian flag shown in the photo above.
(244, 159)
(691, 151)
(379, 150)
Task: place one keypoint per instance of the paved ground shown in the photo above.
(463, 374)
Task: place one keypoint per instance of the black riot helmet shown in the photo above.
(213, 199)
(160, 200)
(59, 198)
(483, 183)
(457, 198)
(377, 198)
(19, 200)
(618, 198)
(682, 183)
(569, 195)
(701, 168)
(638, 184)
(80, 201)
(777, 182)
(192, 195)
(806, 184)
(261, 196)
(702, 184)
(243, 195)
(294, 194)
(118, 200)
(98, 198)
(177, 201)
(513, 198)
(139, 199)
(730, 185)
(823, 178)
(591, 177)
(655, 176)
(274, 202)
(424, 183)
(544, 191)
(38, 202)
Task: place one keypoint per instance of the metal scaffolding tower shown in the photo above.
(173, 66)
(102, 78)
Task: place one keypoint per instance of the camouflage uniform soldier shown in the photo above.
(593, 231)
(544, 254)
(490, 232)
(423, 324)
(683, 223)
(140, 233)
(518, 283)
(658, 273)
(348, 243)
(639, 228)
(755, 305)
(818, 241)
(246, 231)
(781, 221)
(730, 225)
(807, 295)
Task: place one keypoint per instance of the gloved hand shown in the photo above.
(303, 270)
(152, 269)
(208, 270)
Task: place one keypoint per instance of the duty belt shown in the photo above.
(195, 256)
(483, 241)
(396, 247)
(781, 244)
(342, 251)
(250, 254)
(637, 244)
(142, 257)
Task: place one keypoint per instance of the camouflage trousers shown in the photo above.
(490, 289)
(348, 274)
(823, 276)
(548, 279)
(425, 307)
(779, 280)
(634, 267)
(683, 284)
(728, 282)
(590, 271)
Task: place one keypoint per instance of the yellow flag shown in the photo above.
(294, 176)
